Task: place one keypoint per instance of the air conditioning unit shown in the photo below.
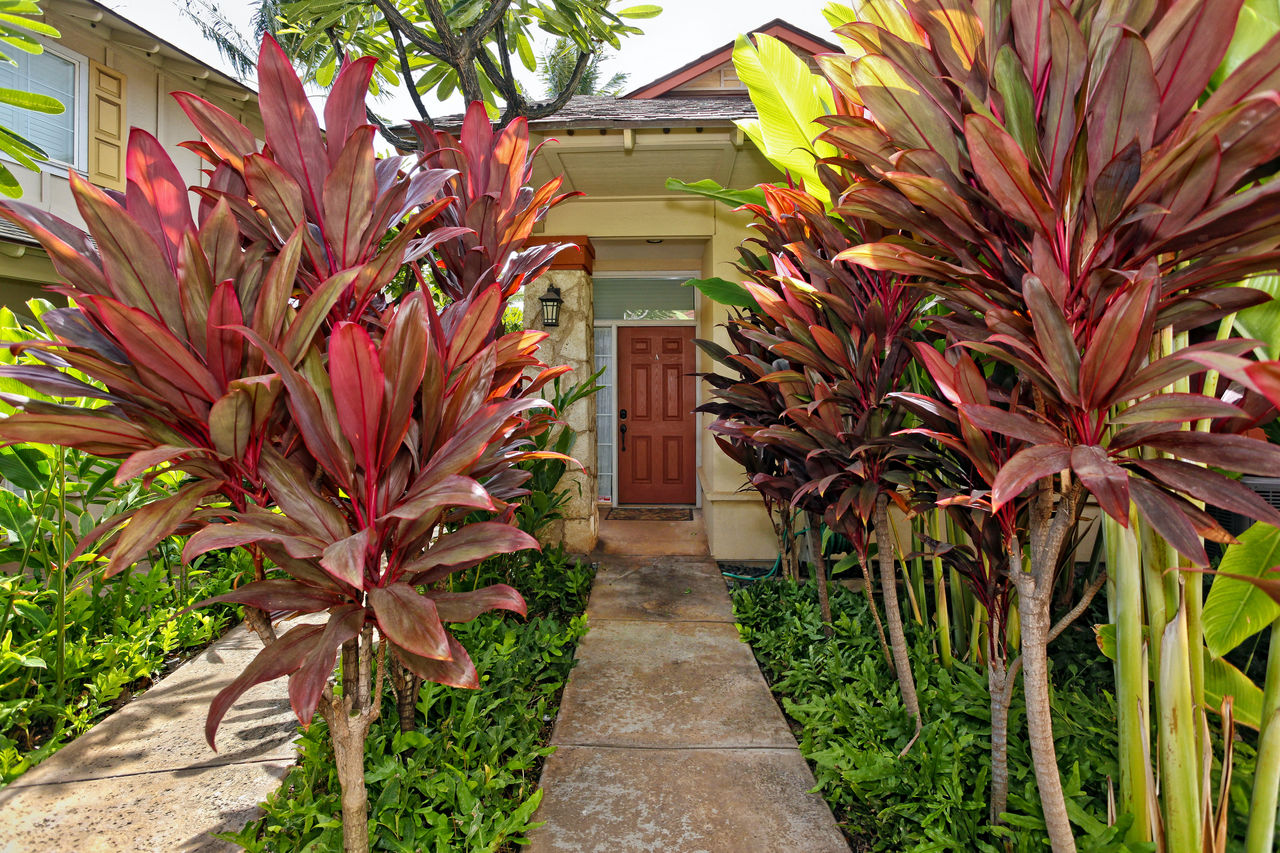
(1268, 488)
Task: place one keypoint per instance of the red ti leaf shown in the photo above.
(157, 194)
(1106, 480)
(453, 491)
(466, 547)
(307, 684)
(349, 195)
(344, 105)
(276, 595)
(1164, 513)
(290, 125)
(282, 657)
(155, 521)
(347, 558)
(1005, 173)
(456, 671)
(409, 619)
(1124, 103)
(1211, 487)
(996, 420)
(1027, 467)
(358, 388)
(465, 606)
(1232, 452)
(228, 138)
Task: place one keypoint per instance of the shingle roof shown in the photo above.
(594, 111)
(14, 234)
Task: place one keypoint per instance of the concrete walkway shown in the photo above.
(668, 737)
(145, 780)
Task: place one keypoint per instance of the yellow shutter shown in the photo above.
(108, 130)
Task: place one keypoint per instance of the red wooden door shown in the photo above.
(656, 390)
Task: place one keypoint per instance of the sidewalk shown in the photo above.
(145, 780)
(668, 737)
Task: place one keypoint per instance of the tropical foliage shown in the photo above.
(340, 435)
(19, 25)
(1047, 173)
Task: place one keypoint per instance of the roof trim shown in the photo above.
(226, 79)
(778, 28)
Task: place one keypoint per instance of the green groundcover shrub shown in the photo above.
(848, 717)
(466, 780)
(118, 637)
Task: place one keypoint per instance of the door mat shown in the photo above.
(650, 513)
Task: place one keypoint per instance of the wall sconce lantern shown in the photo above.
(551, 307)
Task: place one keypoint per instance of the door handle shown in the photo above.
(622, 430)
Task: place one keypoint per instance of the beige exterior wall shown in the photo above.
(151, 71)
(625, 210)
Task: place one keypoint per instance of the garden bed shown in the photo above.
(467, 778)
(116, 641)
(846, 711)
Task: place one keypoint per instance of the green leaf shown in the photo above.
(646, 11)
(788, 98)
(724, 292)
(20, 465)
(1234, 609)
(1263, 321)
(1019, 111)
(31, 101)
(710, 189)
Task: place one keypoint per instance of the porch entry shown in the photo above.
(646, 427)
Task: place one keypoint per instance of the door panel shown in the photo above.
(656, 455)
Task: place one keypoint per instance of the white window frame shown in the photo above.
(613, 326)
(80, 110)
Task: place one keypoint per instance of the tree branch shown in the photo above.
(408, 78)
(1081, 606)
(490, 19)
(558, 102)
(399, 22)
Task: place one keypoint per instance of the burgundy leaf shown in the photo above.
(456, 671)
(1106, 480)
(465, 606)
(307, 684)
(347, 558)
(155, 521)
(276, 595)
(1211, 487)
(1233, 452)
(409, 619)
(282, 657)
(1027, 467)
(453, 491)
(290, 124)
(1164, 513)
(358, 389)
(344, 105)
(468, 546)
(1012, 424)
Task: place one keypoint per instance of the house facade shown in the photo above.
(625, 306)
(111, 74)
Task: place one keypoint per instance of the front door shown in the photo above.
(656, 428)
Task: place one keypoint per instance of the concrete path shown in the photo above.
(145, 780)
(668, 737)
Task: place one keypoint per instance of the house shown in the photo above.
(111, 74)
(625, 307)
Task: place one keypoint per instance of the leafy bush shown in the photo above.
(117, 642)
(852, 725)
(471, 783)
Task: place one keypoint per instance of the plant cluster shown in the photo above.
(345, 436)
(1048, 174)
(471, 785)
(840, 694)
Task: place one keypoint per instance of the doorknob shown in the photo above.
(622, 430)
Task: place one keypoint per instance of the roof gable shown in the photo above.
(713, 73)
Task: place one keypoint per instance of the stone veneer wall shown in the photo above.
(572, 343)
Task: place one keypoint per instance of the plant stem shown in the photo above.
(942, 617)
(60, 614)
(1124, 566)
(999, 684)
(819, 567)
(893, 613)
(1179, 749)
(1261, 833)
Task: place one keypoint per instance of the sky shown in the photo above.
(685, 30)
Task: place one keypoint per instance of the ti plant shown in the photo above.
(1062, 192)
(342, 434)
(836, 335)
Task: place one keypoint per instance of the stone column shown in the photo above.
(572, 343)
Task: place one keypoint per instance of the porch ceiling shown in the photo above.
(629, 163)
